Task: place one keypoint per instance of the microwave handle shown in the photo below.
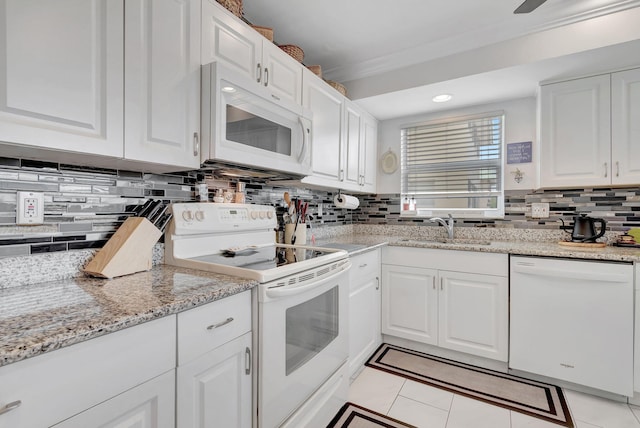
(305, 139)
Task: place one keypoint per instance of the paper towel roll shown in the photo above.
(346, 201)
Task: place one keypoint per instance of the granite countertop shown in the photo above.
(43, 317)
(549, 249)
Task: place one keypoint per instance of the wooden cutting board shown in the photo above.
(583, 244)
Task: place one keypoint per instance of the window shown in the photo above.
(453, 167)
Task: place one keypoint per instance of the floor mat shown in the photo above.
(354, 416)
(530, 397)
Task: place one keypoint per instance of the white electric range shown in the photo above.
(300, 305)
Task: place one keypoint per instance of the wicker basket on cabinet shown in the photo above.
(295, 51)
(233, 6)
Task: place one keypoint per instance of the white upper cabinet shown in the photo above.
(61, 75)
(63, 88)
(369, 153)
(344, 139)
(227, 39)
(326, 131)
(162, 82)
(575, 135)
(625, 127)
(588, 135)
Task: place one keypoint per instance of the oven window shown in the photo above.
(254, 131)
(311, 326)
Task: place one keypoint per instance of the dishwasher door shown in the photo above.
(573, 320)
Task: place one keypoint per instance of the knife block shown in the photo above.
(129, 250)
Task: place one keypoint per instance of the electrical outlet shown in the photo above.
(30, 208)
(540, 210)
(319, 209)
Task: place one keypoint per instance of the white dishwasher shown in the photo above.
(573, 320)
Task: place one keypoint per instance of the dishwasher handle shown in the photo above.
(530, 268)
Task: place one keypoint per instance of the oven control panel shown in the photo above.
(207, 217)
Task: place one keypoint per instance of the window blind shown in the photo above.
(454, 165)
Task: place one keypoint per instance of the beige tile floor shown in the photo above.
(428, 407)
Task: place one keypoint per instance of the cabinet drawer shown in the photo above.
(453, 260)
(205, 328)
(60, 384)
(365, 265)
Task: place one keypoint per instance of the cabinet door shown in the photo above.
(473, 314)
(61, 77)
(409, 303)
(625, 126)
(369, 154)
(575, 133)
(162, 82)
(227, 39)
(150, 405)
(281, 74)
(352, 128)
(326, 155)
(215, 389)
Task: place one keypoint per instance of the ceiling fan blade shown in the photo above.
(529, 6)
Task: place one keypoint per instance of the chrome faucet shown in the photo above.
(448, 225)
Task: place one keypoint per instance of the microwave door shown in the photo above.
(257, 132)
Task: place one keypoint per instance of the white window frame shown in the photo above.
(497, 212)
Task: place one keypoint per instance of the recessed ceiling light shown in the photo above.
(228, 89)
(441, 98)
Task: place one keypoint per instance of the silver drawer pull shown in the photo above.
(363, 265)
(9, 407)
(220, 324)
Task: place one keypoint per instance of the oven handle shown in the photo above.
(292, 290)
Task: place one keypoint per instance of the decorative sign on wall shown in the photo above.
(519, 152)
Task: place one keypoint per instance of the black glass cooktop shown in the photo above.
(263, 258)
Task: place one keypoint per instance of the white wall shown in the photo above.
(520, 125)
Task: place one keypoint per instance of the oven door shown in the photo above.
(302, 340)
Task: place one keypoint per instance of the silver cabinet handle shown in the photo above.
(341, 175)
(606, 169)
(266, 76)
(196, 144)
(363, 265)
(259, 73)
(441, 286)
(617, 168)
(377, 283)
(9, 407)
(247, 361)
(220, 324)
(433, 282)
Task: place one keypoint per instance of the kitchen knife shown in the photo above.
(154, 210)
(155, 217)
(162, 224)
(146, 211)
(139, 208)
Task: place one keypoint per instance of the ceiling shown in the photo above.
(393, 57)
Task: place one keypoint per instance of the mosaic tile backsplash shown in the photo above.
(84, 206)
(620, 208)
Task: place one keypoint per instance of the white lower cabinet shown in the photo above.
(215, 389)
(465, 310)
(364, 309)
(150, 405)
(86, 377)
(214, 386)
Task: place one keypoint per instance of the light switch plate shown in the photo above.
(540, 210)
(30, 208)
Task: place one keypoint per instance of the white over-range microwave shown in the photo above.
(244, 124)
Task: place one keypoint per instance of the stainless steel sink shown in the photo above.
(454, 241)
